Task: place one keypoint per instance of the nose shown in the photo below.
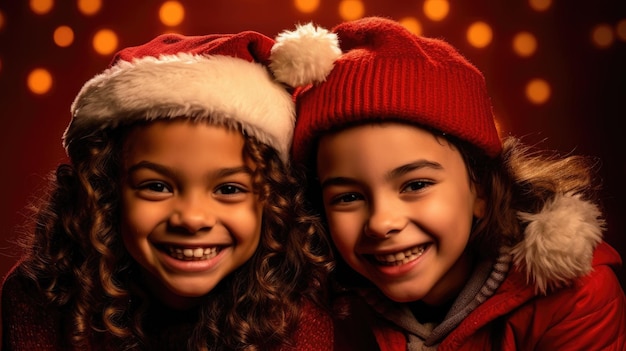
(192, 214)
(385, 219)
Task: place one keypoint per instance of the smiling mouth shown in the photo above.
(401, 257)
(192, 254)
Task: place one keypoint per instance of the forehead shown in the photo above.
(384, 146)
(181, 140)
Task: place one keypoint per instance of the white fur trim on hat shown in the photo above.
(559, 241)
(305, 55)
(224, 90)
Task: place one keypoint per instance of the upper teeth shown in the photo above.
(191, 254)
(402, 256)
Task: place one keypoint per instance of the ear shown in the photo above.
(480, 203)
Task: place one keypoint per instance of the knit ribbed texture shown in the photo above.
(387, 73)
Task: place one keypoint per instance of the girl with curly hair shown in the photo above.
(448, 237)
(177, 223)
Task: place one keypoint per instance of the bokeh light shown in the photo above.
(602, 36)
(540, 5)
(479, 34)
(436, 10)
(306, 6)
(1, 20)
(41, 7)
(412, 24)
(63, 36)
(89, 7)
(172, 13)
(524, 44)
(39, 81)
(538, 91)
(620, 30)
(351, 9)
(105, 42)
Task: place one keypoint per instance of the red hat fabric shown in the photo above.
(387, 73)
(223, 78)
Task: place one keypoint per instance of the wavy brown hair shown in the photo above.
(77, 259)
(522, 179)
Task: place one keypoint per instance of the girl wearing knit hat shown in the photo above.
(448, 237)
(176, 224)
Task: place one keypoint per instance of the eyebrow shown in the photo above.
(223, 172)
(396, 172)
(337, 181)
(404, 169)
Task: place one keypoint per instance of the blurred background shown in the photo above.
(556, 71)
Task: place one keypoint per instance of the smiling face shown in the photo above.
(399, 205)
(190, 216)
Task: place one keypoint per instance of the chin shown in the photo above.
(402, 295)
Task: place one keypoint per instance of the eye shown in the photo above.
(416, 185)
(346, 198)
(230, 189)
(156, 187)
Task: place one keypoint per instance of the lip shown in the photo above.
(184, 264)
(400, 267)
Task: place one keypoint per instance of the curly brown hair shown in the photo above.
(77, 258)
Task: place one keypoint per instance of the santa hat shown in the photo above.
(224, 79)
(382, 73)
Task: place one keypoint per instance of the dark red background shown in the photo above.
(584, 115)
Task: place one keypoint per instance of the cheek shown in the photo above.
(246, 223)
(448, 218)
(344, 231)
(135, 221)
(140, 218)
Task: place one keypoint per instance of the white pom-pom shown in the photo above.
(305, 55)
(559, 241)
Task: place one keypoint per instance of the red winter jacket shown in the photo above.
(588, 315)
(561, 293)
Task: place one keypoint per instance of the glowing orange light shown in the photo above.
(172, 13)
(63, 36)
(602, 36)
(41, 7)
(538, 91)
(1, 20)
(89, 7)
(620, 30)
(524, 44)
(479, 34)
(39, 81)
(306, 6)
(412, 24)
(105, 42)
(351, 9)
(540, 5)
(436, 10)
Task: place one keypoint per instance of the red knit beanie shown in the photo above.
(383, 73)
(224, 79)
